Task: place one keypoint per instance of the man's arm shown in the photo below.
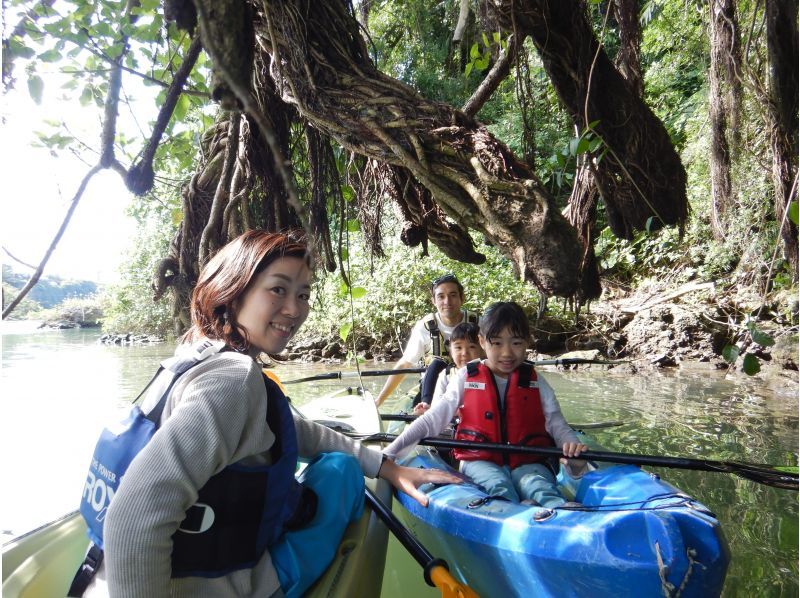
(392, 382)
(415, 349)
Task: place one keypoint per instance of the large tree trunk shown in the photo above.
(782, 47)
(590, 183)
(628, 59)
(645, 173)
(723, 106)
(321, 66)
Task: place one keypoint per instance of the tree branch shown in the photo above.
(492, 81)
(140, 177)
(40, 269)
(16, 259)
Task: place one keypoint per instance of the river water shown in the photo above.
(61, 387)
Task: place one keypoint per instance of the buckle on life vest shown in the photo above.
(87, 571)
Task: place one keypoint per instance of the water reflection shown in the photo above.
(60, 388)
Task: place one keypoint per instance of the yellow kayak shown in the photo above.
(42, 563)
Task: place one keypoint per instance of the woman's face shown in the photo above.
(275, 305)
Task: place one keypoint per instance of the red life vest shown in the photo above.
(521, 420)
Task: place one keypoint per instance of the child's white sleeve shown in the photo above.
(555, 423)
(432, 422)
(441, 385)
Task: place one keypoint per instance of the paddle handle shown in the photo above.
(406, 538)
(763, 474)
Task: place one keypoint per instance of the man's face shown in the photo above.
(448, 300)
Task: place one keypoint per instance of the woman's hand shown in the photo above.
(574, 449)
(408, 479)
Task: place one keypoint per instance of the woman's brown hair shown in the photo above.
(228, 275)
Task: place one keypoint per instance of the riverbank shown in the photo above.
(651, 328)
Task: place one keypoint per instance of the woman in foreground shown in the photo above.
(209, 506)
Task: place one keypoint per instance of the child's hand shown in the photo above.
(575, 468)
(574, 449)
(421, 408)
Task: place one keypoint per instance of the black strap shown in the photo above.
(472, 368)
(433, 328)
(525, 372)
(87, 571)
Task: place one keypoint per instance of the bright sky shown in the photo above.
(37, 189)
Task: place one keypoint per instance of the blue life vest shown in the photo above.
(239, 513)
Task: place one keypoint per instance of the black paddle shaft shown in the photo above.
(758, 473)
(406, 538)
(368, 373)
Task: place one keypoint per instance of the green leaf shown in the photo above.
(486, 40)
(760, 337)
(793, 209)
(787, 468)
(496, 37)
(16, 47)
(750, 365)
(86, 96)
(482, 63)
(150, 5)
(51, 55)
(347, 193)
(353, 225)
(358, 292)
(474, 52)
(468, 69)
(730, 353)
(344, 330)
(181, 107)
(35, 88)
(649, 225)
(344, 253)
(583, 146)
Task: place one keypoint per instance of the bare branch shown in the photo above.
(16, 259)
(491, 82)
(140, 177)
(40, 269)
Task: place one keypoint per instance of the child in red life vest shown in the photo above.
(463, 348)
(502, 399)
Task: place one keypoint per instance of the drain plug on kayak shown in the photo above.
(543, 515)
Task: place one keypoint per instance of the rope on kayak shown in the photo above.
(667, 588)
(690, 554)
(685, 501)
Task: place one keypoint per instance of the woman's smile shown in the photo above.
(275, 305)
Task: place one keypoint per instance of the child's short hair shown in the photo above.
(502, 315)
(466, 331)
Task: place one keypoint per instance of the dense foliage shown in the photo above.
(389, 295)
(412, 41)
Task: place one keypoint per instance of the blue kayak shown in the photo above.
(634, 535)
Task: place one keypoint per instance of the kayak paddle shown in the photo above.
(404, 417)
(435, 570)
(340, 375)
(769, 475)
(366, 373)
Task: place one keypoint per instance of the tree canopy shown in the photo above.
(538, 124)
